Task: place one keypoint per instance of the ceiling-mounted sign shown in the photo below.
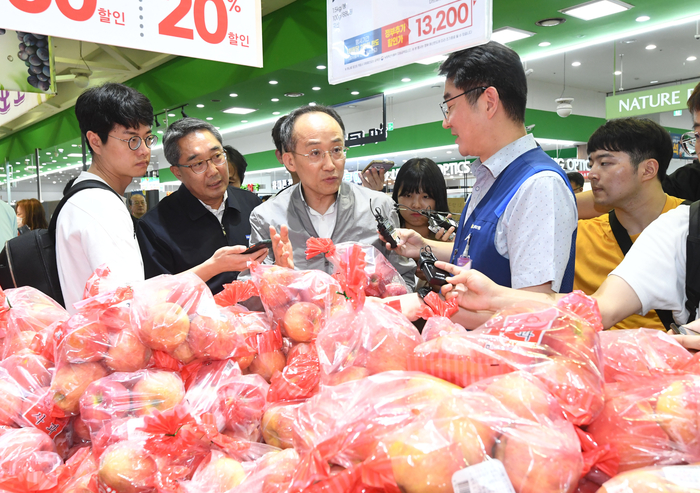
(370, 36)
(648, 102)
(14, 104)
(26, 62)
(221, 30)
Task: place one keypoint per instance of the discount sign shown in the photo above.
(221, 30)
(370, 36)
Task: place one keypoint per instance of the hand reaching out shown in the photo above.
(373, 179)
(282, 247)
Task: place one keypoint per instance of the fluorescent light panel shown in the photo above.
(596, 9)
(239, 111)
(432, 59)
(509, 34)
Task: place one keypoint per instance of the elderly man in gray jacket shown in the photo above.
(323, 205)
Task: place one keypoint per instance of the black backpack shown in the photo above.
(30, 259)
(692, 261)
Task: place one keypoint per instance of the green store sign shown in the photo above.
(647, 102)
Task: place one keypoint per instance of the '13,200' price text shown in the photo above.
(442, 20)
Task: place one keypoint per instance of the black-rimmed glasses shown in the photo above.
(135, 141)
(689, 142)
(443, 104)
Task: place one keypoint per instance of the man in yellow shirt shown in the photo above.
(628, 158)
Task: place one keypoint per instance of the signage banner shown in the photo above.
(370, 36)
(26, 62)
(678, 152)
(220, 30)
(14, 104)
(650, 101)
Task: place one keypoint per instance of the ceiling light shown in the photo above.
(642, 18)
(449, 152)
(48, 153)
(509, 34)
(244, 121)
(200, 106)
(432, 59)
(75, 154)
(544, 44)
(233, 95)
(209, 118)
(617, 72)
(415, 85)
(576, 64)
(316, 88)
(651, 47)
(275, 112)
(239, 111)
(293, 94)
(355, 93)
(629, 41)
(312, 104)
(405, 79)
(60, 150)
(551, 22)
(691, 58)
(274, 100)
(159, 131)
(321, 67)
(596, 9)
(273, 82)
(218, 128)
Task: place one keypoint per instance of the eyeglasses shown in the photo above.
(218, 159)
(443, 104)
(135, 141)
(316, 156)
(689, 142)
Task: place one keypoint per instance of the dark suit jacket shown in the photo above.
(180, 233)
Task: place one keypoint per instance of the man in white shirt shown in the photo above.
(519, 224)
(8, 223)
(95, 226)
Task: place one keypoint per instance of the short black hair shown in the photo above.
(421, 175)
(100, 108)
(491, 64)
(183, 128)
(236, 158)
(576, 178)
(287, 129)
(276, 134)
(640, 138)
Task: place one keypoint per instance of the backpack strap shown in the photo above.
(83, 185)
(692, 263)
(625, 242)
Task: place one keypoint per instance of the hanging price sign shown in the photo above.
(221, 30)
(370, 36)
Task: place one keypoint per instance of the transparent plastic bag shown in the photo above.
(28, 461)
(668, 479)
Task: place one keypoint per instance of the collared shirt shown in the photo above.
(324, 224)
(535, 230)
(218, 213)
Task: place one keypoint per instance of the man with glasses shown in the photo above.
(323, 205)
(94, 226)
(519, 225)
(204, 225)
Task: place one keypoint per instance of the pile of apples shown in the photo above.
(156, 388)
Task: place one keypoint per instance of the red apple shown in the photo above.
(70, 382)
(475, 439)
(541, 459)
(81, 430)
(389, 349)
(220, 474)
(524, 395)
(347, 375)
(126, 352)
(242, 401)
(394, 289)
(125, 468)
(302, 321)
(678, 413)
(104, 399)
(277, 425)
(212, 338)
(19, 343)
(268, 363)
(157, 390)
(183, 353)
(164, 327)
(85, 343)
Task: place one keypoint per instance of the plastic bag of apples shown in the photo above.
(668, 479)
(28, 461)
(651, 421)
(383, 280)
(554, 343)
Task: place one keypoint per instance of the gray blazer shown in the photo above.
(354, 222)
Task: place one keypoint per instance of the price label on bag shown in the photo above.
(221, 30)
(370, 36)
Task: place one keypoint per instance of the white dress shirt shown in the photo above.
(219, 213)
(324, 224)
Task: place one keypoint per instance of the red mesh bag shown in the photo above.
(236, 292)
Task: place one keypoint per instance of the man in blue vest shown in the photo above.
(519, 225)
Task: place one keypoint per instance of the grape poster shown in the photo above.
(26, 62)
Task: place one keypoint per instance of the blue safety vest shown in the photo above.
(479, 231)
